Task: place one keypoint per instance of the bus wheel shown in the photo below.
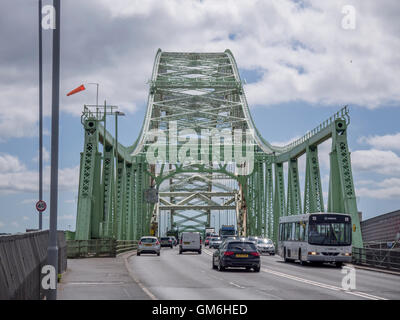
(339, 264)
(284, 255)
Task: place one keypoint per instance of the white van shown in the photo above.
(190, 241)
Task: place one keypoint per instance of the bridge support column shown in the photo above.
(293, 193)
(279, 199)
(108, 191)
(86, 182)
(119, 216)
(313, 198)
(341, 188)
(269, 197)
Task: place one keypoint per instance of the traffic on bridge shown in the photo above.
(201, 204)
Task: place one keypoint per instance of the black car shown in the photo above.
(236, 253)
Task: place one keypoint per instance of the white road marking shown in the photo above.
(322, 285)
(147, 291)
(236, 285)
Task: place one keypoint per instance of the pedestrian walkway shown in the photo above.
(99, 279)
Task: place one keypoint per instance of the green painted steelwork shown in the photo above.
(201, 94)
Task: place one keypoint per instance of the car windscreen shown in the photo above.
(164, 238)
(264, 241)
(241, 246)
(215, 239)
(148, 240)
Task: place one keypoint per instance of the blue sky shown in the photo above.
(299, 64)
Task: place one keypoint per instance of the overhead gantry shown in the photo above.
(200, 149)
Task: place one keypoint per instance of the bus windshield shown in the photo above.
(327, 232)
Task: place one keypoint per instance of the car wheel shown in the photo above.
(180, 251)
(213, 265)
(257, 269)
(158, 253)
(248, 268)
(171, 246)
(199, 251)
(339, 264)
(220, 268)
(138, 253)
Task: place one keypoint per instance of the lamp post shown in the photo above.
(97, 92)
(40, 115)
(52, 250)
(116, 113)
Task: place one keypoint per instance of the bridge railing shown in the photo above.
(99, 247)
(22, 257)
(377, 258)
(91, 248)
(125, 245)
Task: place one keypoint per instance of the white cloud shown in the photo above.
(2, 224)
(386, 189)
(386, 142)
(10, 164)
(301, 51)
(379, 161)
(19, 179)
(46, 156)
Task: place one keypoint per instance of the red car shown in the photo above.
(207, 242)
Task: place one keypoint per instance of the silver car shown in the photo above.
(265, 245)
(148, 244)
(215, 242)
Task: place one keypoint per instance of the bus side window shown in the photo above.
(288, 233)
(297, 231)
(301, 231)
(306, 232)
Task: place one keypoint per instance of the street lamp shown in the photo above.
(40, 115)
(97, 93)
(52, 250)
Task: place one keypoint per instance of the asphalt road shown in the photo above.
(190, 276)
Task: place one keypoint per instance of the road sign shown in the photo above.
(151, 195)
(41, 206)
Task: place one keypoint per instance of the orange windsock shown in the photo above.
(80, 88)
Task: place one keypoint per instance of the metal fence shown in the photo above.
(377, 258)
(99, 247)
(22, 257)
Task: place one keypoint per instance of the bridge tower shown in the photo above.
(196, 132)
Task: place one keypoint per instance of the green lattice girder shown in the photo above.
(204, 91)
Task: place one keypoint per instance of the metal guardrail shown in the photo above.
(91, 248)
(22, 257)
(125, 245)
(388, 259)
(99, 247)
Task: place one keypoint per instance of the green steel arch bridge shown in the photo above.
(201, 94)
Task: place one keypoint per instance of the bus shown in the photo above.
(315, 238)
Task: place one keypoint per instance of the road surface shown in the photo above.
(190, 276)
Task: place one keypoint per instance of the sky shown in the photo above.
(301, 61)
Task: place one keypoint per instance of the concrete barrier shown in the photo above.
(21, 259)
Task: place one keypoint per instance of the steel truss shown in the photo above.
(201, 95)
